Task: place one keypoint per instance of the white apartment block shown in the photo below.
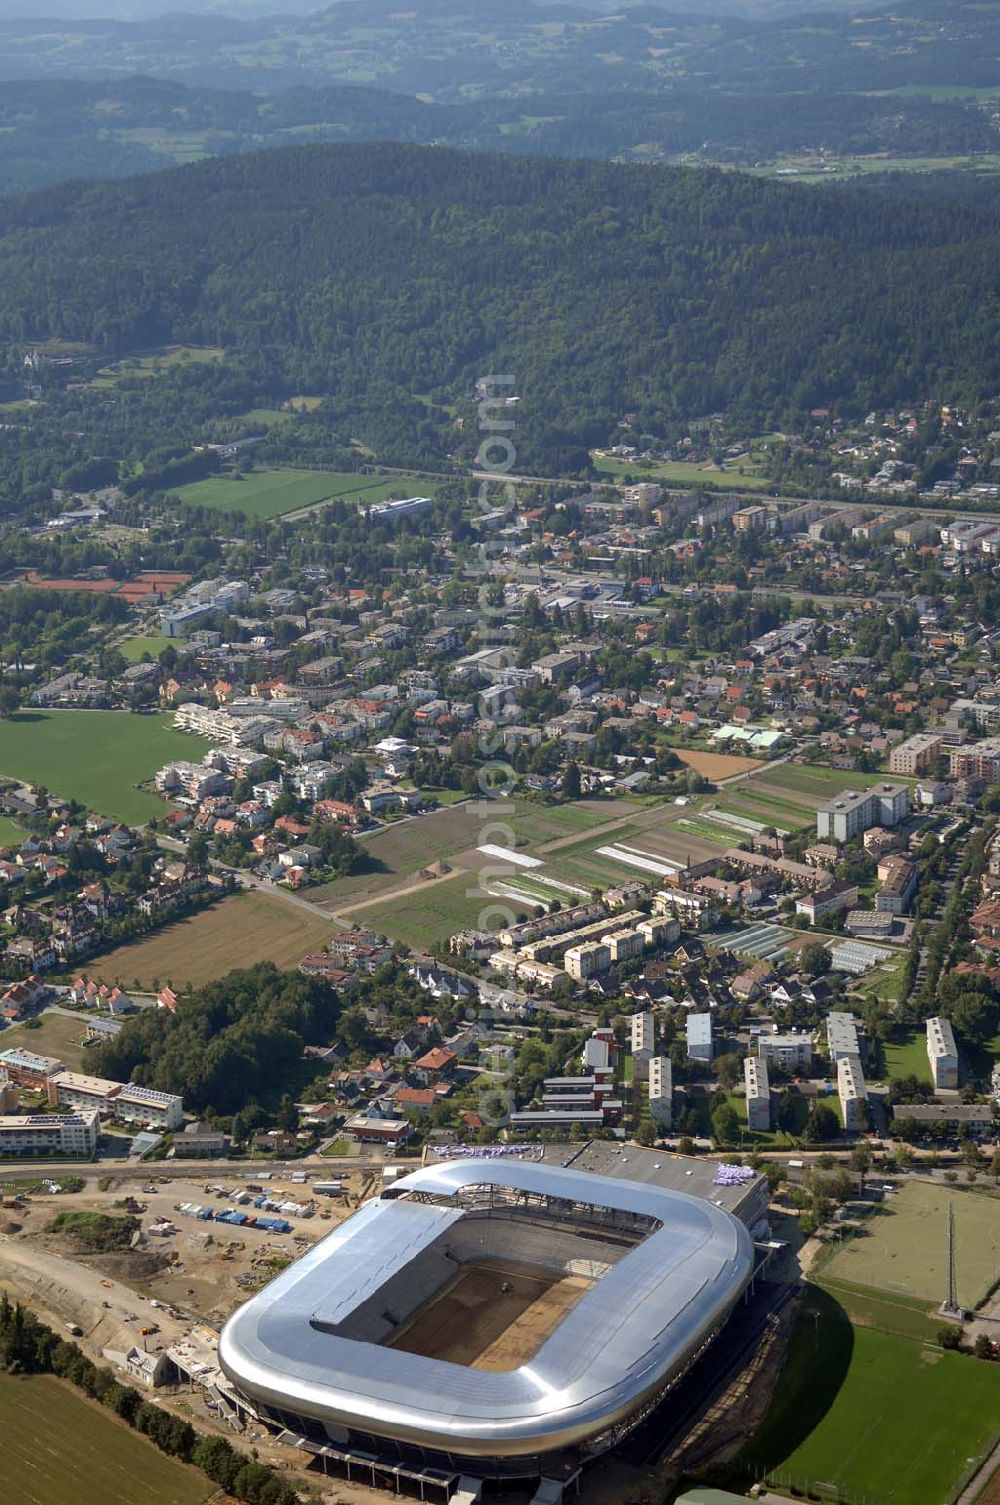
(49, 1134)
(842, 1036)
(942, 1052)
(643, 1028)
(699, 1037)
(792, 1053)
(853, 1094)
(758, 1090)
(661, 1092)
(155, 1110)
(852, 813)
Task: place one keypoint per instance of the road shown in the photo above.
(233, 1170)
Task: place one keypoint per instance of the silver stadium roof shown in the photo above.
(625, 1339)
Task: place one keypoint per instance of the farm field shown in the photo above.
(818, 783)
(57, 1035)
(273, 493)
(60, 1446)
(873, 1415)
(96, 757)
(714, 765)
(904, 1247)
(237, 932)
(427, 914)
(134, 648)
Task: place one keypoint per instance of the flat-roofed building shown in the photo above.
(142, 1105)
(842, 1038)
(625, 945)
(71, 1089)
(22, 1068)
(758, 1090)
(49, 1135)
(853, 1094)
(850, 814)
(699, 1037)
(917, 754)
(788, 1052)
(588, 960)
(643, 1035)
(661, 1092)
(942, 1052)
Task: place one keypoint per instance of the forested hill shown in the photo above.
(602, 288)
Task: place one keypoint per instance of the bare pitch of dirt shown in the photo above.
(715, 766)
(495, 1315)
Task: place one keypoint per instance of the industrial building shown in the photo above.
(942, 1052)
(853, 1094)
(661, 1093)
(852, 813)
(351, 1350)
(49, 1135)
(758, 1090)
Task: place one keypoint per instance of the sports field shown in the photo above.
(863, 1414)
(59, 1447)
(237, 932)
(273, 493)
(904, 1247)
(96, 757)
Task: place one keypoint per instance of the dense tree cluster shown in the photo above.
(378, 269)
(237, 1041)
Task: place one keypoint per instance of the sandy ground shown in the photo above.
(477, 1322)
(716, 765)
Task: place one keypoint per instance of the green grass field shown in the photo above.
(96, 757)
(903, 1249)
(58, 1035)
(863, 1414)
(237, 932)
(426, 915)
(134, 649)
(155, 362)
(11, 834)
(60, 1447)
(906, 1054)
(273, 493)
(681, 473)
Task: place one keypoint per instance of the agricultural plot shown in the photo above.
(713, 765)
(237, 932)
(11, 834)
(426, 914)
(860, 1413)
(904, 1247)
(266, 494)
(97, 757)
(58, 1445)
(401, 850)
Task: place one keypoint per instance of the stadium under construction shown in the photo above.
(495, 1318)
